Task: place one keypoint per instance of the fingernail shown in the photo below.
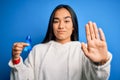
(90, 22)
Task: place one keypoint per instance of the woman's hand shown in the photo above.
(96, 48)
(17, 49)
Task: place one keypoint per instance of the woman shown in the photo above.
(61, 56)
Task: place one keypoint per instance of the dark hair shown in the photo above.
(50, 35)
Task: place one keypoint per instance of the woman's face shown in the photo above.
(62, 25)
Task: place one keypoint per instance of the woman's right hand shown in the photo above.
(17, 49)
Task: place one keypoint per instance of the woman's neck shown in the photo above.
(62, 41)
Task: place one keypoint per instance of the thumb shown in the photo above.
(25, 44)
(84, 48)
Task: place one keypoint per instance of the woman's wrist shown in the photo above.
(102, 62)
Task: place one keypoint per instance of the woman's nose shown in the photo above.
(61, 25)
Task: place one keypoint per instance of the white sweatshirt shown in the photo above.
(55, 61)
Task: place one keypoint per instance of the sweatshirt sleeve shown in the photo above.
(23, 70)
(94, 72)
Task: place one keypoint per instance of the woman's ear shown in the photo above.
(73, 27)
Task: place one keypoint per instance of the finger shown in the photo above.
(18, 48)
(20, 44)
(102, 36)
(84, 48)
(95, 30)
(16, 53)
(91, 30)
(16, 56)
(87, 33)
(25, 44)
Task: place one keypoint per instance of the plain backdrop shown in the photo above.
(19, 18)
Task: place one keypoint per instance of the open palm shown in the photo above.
(96, 49)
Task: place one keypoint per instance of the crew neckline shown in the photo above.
(65, 44)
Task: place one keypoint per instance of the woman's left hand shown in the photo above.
(96, 48)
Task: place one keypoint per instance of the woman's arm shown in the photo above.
(92, 71)
(21, 70)
(97, 61)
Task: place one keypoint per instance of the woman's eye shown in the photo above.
(67, 21)
(55, 21)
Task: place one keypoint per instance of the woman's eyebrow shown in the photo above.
(56, 18)
(67, 17)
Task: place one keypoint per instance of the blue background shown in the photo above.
(19, 18)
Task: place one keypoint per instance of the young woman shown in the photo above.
(61, 56)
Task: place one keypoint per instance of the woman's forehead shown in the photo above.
(62, 13)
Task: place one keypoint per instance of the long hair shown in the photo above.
(50, 35)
